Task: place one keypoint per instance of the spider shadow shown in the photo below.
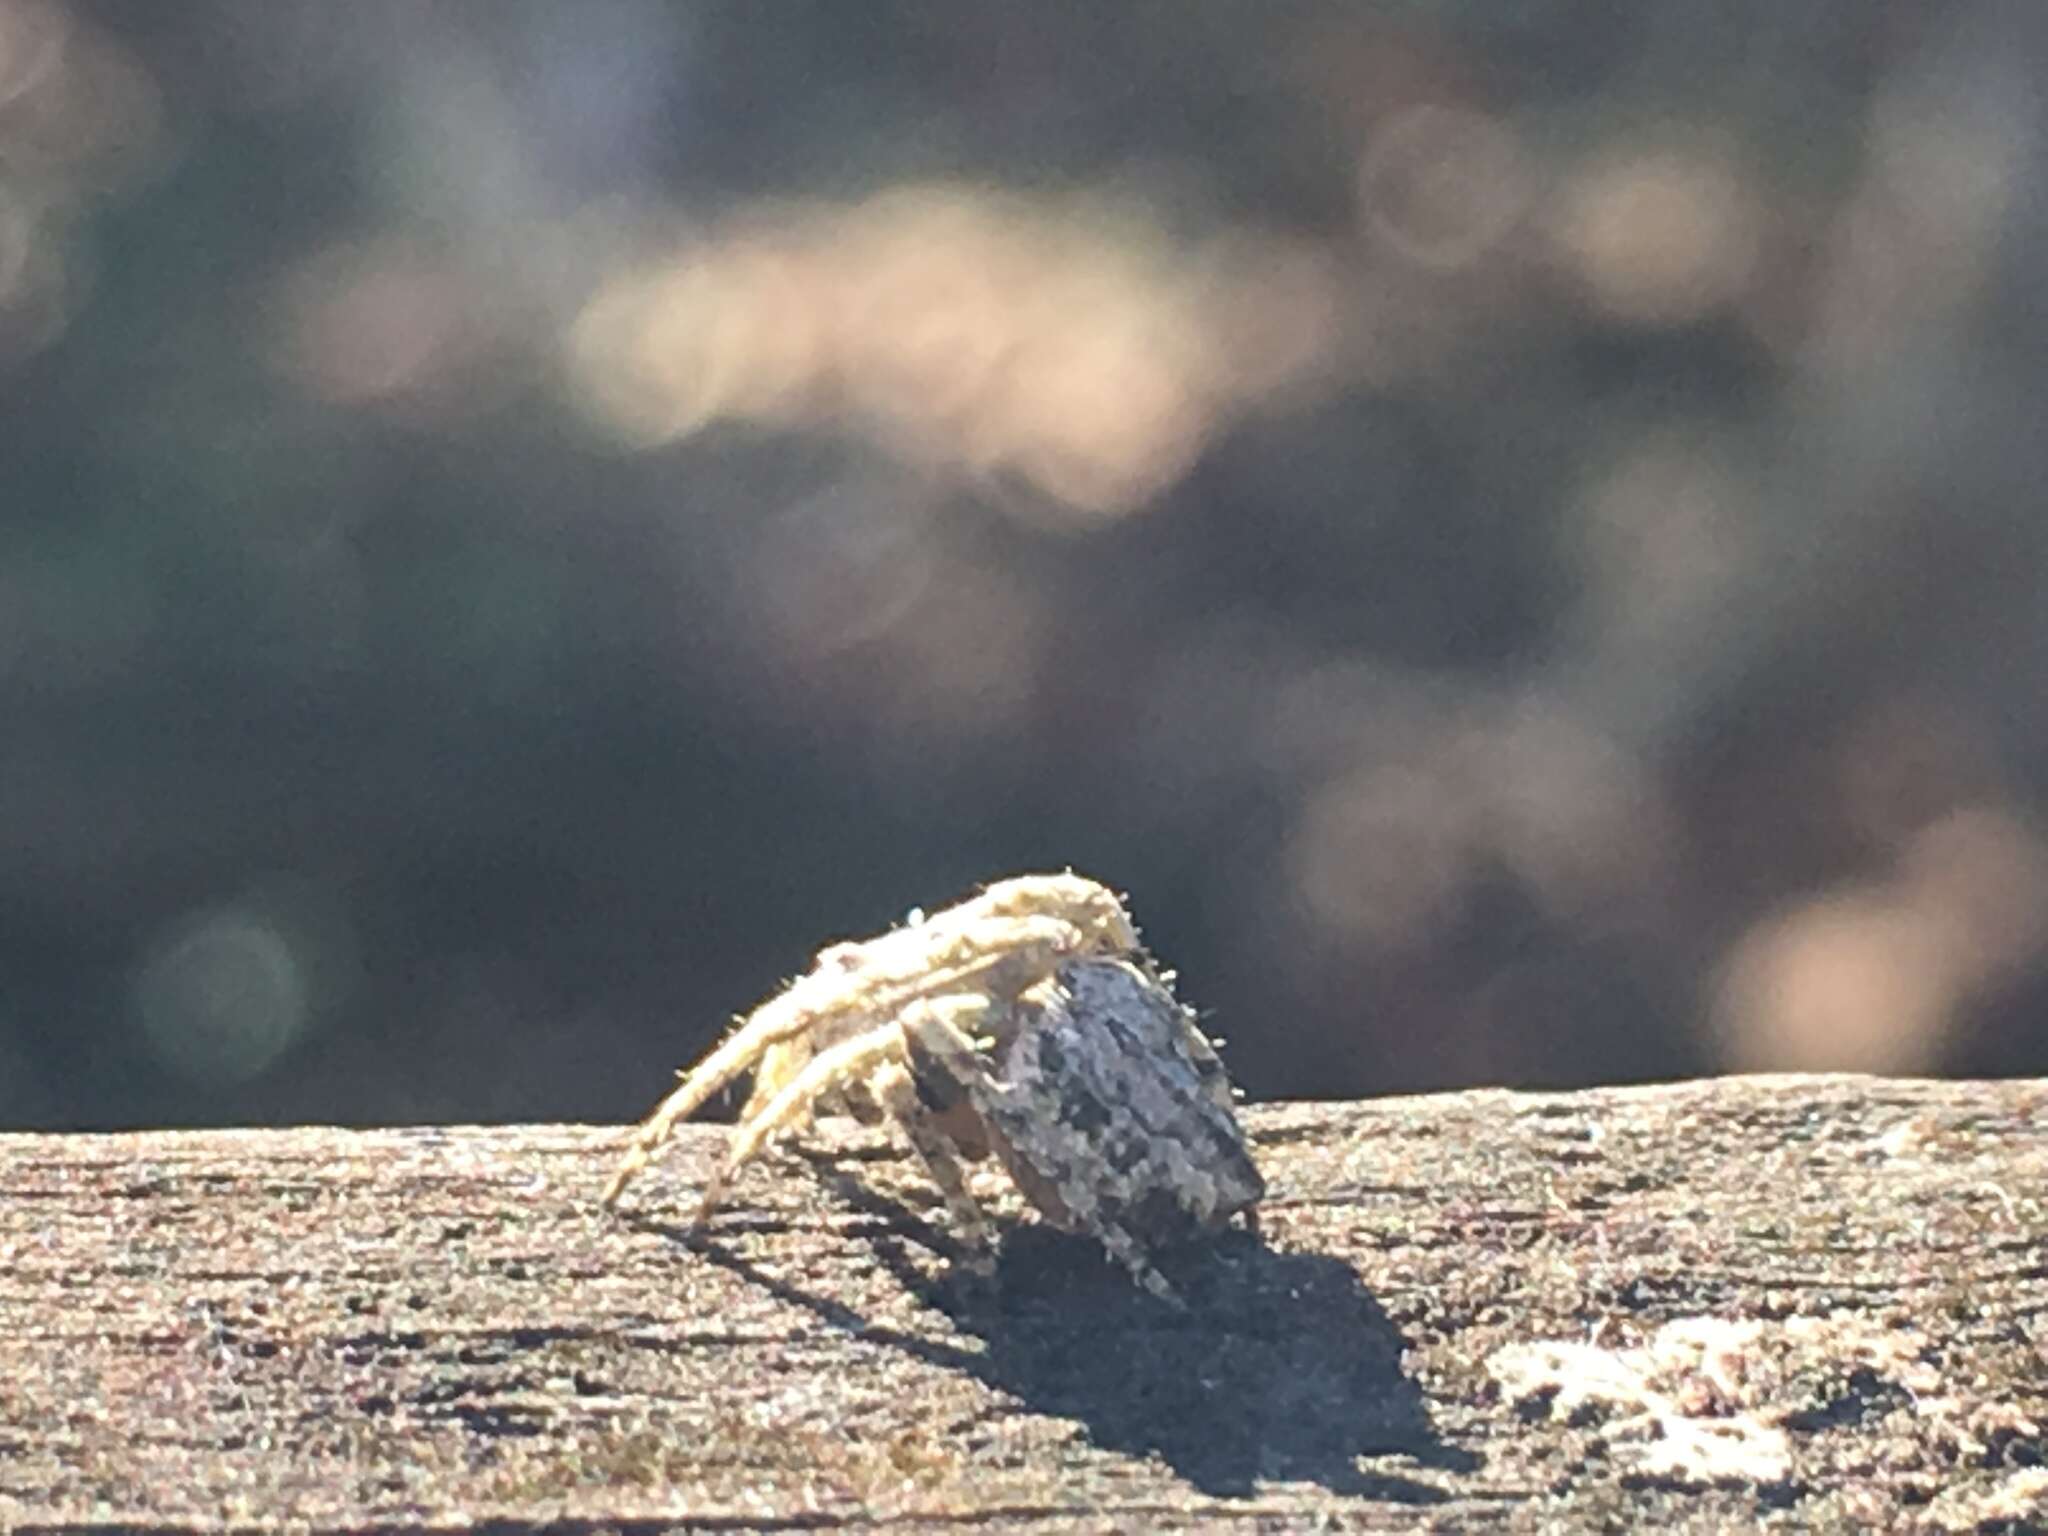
(1282, 1367)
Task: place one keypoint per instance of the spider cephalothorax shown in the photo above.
(1027, 1022)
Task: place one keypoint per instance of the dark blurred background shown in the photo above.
(1512, 532)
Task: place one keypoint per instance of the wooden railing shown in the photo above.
(1812, 1302)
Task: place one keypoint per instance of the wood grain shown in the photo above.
(1831, 1293)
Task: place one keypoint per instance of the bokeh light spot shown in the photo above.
(1441, 185)
(1659, 237)
(1382, 858)
(33, 37)
(1010, 339)
(223, 999)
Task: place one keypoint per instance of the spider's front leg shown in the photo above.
(850, 1060)
(851, 988)
(877, 1058)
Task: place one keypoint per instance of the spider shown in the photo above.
(1027, 1022)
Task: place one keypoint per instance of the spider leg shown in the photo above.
(777, 1019)
(852, 982)
(993, 957)
(1130, 1253)
(822, 1073)
(893, 1086)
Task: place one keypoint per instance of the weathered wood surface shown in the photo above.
(1812, 1303)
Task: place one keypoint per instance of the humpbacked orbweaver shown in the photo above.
(1027, 1022)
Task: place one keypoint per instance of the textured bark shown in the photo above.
(1801, 1302)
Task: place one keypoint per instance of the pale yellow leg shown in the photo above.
(829, 1069)
(1000, 956)
(767, 1024)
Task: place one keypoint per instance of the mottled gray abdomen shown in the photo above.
(1108, 1097)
